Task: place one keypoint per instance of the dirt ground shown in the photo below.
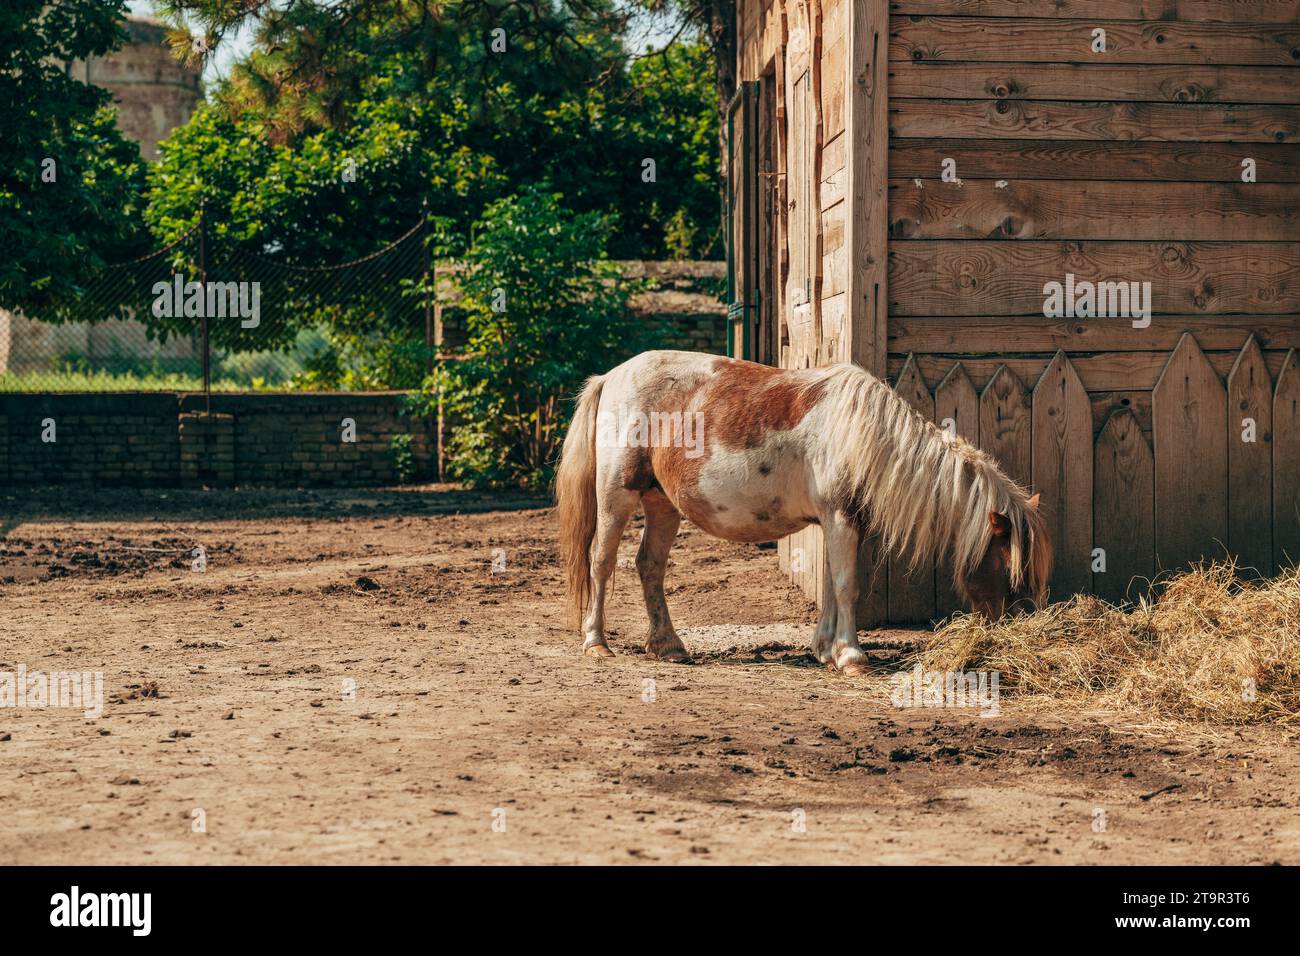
(387, 676)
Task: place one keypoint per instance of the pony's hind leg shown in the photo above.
(824, 635)
(614, 508)
(841, 539)
(661, 523)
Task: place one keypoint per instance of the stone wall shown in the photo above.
(137, 439)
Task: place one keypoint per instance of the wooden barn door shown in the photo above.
(743, 275)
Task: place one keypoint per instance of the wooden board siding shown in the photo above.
(979, 278)
(1125, 122)
(1122, 165)
(833, 66)
(1101, 372)
(869, 216)
(1054, 39)
(866, 129)
(1190, 423)
(1005, 424)
(1286, 464)
(957, 409)
(1148, 162)
(1073, 209)
(1061, 443)
(980, 334)
(1124, 511)
(911, 589)
(1091, 82)
(1250, 462)
(1209, 11)
(1117, 166)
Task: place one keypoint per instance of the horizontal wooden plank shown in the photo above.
(1213, 11)
(1118, 122)
(959, 277)
(1037, 334)
(1094, 82)
(1072, 209)
(1110, 372)
(1043, 159)
(1041, 40)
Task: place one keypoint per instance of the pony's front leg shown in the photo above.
(841, 539)
(824, 635)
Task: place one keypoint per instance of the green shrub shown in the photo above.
(544, 309)
(399, 449)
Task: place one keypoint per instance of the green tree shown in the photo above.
(544, 309)
(70, 185)
(556, 99)
(296, 181)
(672, 112)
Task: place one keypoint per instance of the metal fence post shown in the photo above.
(428, 291)
(203, 313)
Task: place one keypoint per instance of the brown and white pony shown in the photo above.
(752, 453)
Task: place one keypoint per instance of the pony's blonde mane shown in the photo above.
(923, 492)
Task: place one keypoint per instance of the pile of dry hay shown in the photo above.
(1209, 648)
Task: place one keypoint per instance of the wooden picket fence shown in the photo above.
(1219, 477)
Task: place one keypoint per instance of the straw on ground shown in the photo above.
(1209, 647)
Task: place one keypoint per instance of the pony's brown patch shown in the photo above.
(677, 474)
(745, 402)
(742, 404)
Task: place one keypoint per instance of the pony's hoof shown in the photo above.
(597, 650)
(670, 655)
(856, 669)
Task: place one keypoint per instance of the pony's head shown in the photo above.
(1012, 575)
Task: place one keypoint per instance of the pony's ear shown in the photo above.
(1001, 524)
(1032, 503)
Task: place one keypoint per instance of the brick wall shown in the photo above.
(297, 438)
(161, 439)
(167, 439)
(107, 439)
(686, 303)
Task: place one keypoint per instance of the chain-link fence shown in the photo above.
(203, 314)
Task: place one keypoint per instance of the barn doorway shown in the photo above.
(767, 345)
(753, 211)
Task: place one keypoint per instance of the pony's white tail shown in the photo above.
(575, 497)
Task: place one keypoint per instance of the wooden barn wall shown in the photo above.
(814, 53)
(1123, 165)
